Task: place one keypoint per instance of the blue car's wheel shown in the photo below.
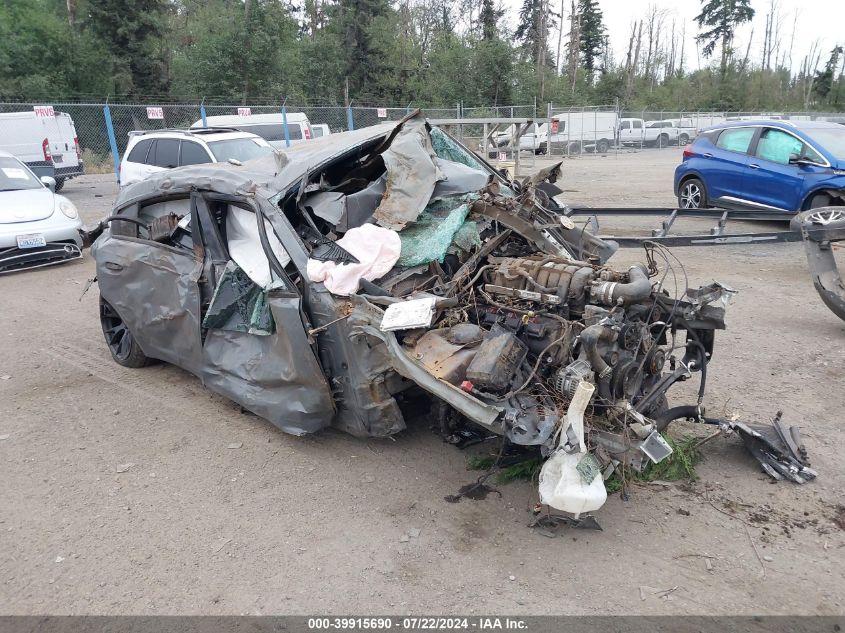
(692, 195)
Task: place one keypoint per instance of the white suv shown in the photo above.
(156, 150)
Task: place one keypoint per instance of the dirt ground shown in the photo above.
(121, 492)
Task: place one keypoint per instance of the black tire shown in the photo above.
(683, 139)
(662, 141)
(692, 194)
(60, 182)
(574, 148)
(602, 146)
(122, 345)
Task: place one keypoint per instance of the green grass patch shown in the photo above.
(480, 462)
(679, 466)
(522, 471)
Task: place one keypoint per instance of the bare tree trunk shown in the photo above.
(683, 42)
(773, 11)
(71, 14)
(765, 44)
(747, 53)
(670, 64)
(630, 48)
(574, 42)
(808, 70)
(792, 39)
(558, 68)
(651, 17)
(656, 67)
(315, 18)
(633, 70)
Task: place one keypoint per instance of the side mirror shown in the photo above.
(49, 182)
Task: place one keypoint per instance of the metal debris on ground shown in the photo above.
(779, 449)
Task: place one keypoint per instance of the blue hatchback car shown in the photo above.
(764, 165)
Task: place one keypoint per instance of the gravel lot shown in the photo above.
(120, 494)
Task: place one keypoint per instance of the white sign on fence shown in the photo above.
(155, 113)
(244, 112)
(43, 111)
(381, 113)
(503, 156)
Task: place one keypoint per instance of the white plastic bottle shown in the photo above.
(561, 485)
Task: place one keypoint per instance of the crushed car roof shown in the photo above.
(272, 173)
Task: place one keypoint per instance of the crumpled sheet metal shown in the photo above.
(156, 294)
(411, 175)
(458, 179)
(367, 319)
(276, 377)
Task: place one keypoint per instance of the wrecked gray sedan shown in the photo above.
(353, 279)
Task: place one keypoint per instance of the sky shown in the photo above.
(817, 19)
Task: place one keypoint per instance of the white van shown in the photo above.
(270, 127)
(47, 144)
(573, 132)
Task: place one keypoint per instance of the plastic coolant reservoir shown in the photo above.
(561, 484)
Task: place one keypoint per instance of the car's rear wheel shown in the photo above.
(122, 345)
(692, 194)
(602, 146)
(662, 140)
(683, 139)
(573, 148)
(60, 182)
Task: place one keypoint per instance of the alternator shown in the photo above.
(567, 378)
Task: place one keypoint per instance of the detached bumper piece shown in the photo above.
(12, 259)
(821, 229)
(779, 450)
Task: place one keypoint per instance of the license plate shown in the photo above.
(33, 240)
(57, 158)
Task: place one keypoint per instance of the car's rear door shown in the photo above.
(192, 153)
(725, 171)
(771, 180)
(164, 154)
(55, 140)
(154, 286)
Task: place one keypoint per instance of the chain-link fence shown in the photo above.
(599, 129)
(65, 139)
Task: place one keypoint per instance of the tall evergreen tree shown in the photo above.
(357, 23)
(489, 19)
(532, 30)
(592, 34)
(133, 33)
(824, 78)
(722, 16)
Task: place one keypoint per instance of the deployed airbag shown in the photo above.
(245, 245)
(375, 248)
